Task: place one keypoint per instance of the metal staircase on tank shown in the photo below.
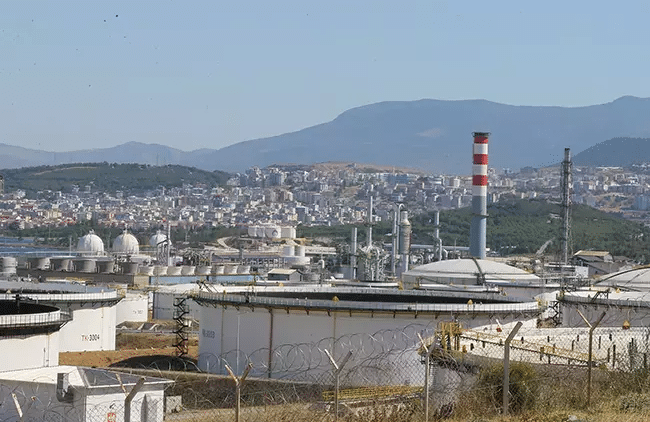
(181, 310)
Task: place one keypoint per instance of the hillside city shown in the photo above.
(323, 194)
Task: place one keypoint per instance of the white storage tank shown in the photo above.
(92, 309)
(61, 263)
(146, 270)
(129, 267)
(187, 270)
(203, 270)
(272, 232)
(126, 244)
(159, 270)
(174, 270)
(39, 263)
(85, 265)
(105, 266)
(300, 250)
(134, 308)
(288, 250)
(8, 265)
(90, 244)
(287, 233)
(218, 269)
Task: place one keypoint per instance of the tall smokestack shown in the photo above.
(405, 240)
(370, 221)
(353, 254)
(566, 204)
(479, 195)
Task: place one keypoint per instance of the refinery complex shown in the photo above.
(247, 296)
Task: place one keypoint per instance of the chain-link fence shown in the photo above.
(429, 370)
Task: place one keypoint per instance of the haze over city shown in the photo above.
(191, 75)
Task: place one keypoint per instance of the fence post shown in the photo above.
(337, 372)
(18, 408)
(592, 327)
(427, 362)
(506, 367)
(129, 398)
(238, 384)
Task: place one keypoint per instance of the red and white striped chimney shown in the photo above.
(479, 195)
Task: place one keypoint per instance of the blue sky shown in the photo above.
(206, 74)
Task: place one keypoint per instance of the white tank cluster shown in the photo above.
(271, 231)
(126, 244)
(294, 255)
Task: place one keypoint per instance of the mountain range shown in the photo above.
(431, 135)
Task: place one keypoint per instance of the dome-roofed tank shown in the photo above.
(90, 244)
(158, 239)
(126, 243)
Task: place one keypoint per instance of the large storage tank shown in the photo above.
(8, 266)
(126, 244)
(158, 240)
(61, 263)
(174, 270)
(130, 268)
(288, 250)
(159, 270)
(92, 309)
(105, 266)
(39, 263)
(85, 265)
(134, 308)
(272, 232)
(203, 270)
(146, 270)
(300, 250)
(188, 269)
(90, 244)
(288, 232)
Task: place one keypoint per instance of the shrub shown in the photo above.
(524, 386)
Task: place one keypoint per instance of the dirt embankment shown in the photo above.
(130, 346)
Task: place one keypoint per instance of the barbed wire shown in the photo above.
(384, 376)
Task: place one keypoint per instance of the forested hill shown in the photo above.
(523, 226)
(616, 152)
(105, 177)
